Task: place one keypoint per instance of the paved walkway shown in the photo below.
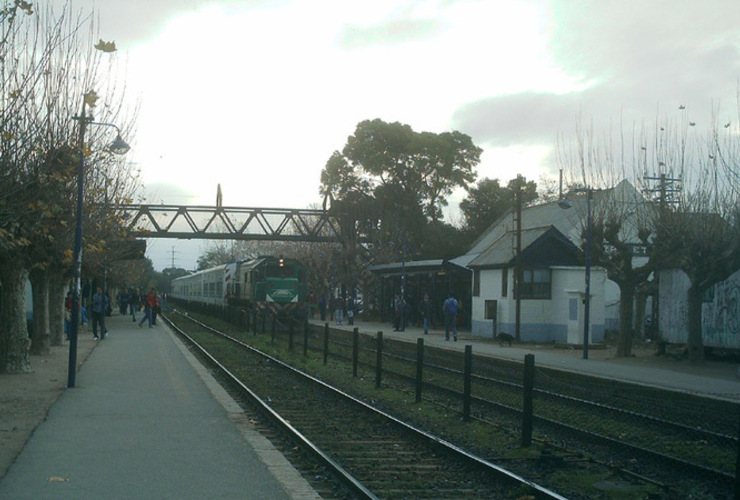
(145, 420)
(717, 379)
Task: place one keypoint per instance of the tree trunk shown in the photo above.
(40, 338)
(626, 308)
(695, 343)
(638, 324)
(56, 307)
(14, 339)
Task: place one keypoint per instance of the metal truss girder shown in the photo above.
(235, 223)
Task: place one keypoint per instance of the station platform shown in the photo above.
(146, 420)
(715, 379)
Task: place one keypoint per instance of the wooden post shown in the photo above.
(355, 350)
(527, 413)
(419, 367)
(326, 342)
(467, 374)
(379, 360)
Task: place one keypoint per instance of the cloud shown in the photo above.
(631, 62)
(525, 118)
(134, 21)
(169, 194)
(390, 33)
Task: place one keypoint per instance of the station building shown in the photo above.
(551, 300)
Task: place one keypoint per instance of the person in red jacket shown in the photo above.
(149, 301)
(156, 308)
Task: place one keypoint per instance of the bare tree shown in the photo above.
(688, 220)
(50, 63)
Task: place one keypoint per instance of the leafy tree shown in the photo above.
(389, 184)
(425, 166)
(488, 201)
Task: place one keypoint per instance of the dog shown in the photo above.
(504, 337)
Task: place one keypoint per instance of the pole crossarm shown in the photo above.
(230, 223)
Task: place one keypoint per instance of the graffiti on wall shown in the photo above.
(720, 311)
(720, 320)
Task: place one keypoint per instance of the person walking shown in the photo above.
(322, 307)
(148, 303)
(156, 308)
(450, 309)
(399, 321)
(339, 309)
(425, 311)
(68, 301)
(99, 309)
(134, 299)
(351, 311)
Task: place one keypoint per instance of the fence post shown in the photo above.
(379, 360)
(419, 367)
(528, 404)
(254, 321)
(326, 342)
(290, 334)
(467, 374)
(305, 338)
(737, 466)
(264, 320)
(355, 350)
(274, 325)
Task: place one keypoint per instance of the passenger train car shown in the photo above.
(263, 283)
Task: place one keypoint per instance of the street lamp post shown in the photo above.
(118, 146)
(565, 204)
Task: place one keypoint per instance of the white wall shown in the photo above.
(559, 319)
(720, 315)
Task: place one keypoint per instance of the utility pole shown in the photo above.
(667, 188)
(518, 259)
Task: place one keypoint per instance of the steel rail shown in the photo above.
(540, 491)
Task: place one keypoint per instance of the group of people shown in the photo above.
(339, 305)
(425, 309)
(450, 309)
(99, 304)
(149, 303)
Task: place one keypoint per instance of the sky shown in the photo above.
(255, 95)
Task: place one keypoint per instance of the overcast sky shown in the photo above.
(256, 95)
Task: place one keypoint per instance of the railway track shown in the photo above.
(372, 453)
(652, 447)
(574, 460)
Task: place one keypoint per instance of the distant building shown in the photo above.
(551, 292)
(438, 278)
(553, 274)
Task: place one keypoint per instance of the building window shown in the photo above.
(504, 281)
(536, 284)
(476, 283)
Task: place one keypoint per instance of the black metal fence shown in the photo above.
(545, 402)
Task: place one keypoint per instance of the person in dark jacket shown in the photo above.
(134, 299)
(450, 309)
(322, 308)
(425, 311)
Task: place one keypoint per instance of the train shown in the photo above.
(263, 283)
